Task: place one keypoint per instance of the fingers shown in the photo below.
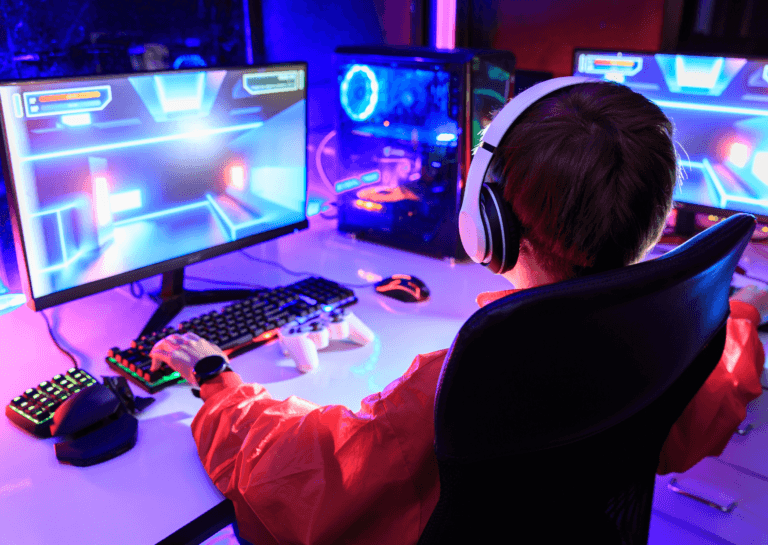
(190, 336)
(159, 356)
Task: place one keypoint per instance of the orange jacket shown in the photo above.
(301, 473)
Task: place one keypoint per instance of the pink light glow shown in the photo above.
(445, 24)
(101, 196)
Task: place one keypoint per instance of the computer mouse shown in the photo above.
(84, 409)
(403, 287)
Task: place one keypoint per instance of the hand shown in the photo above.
(182, 352)
(756, 297)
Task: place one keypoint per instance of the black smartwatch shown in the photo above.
(209, 367)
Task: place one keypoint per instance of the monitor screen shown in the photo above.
(115, 178)
(719, 107)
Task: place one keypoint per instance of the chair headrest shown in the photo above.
(553, 364)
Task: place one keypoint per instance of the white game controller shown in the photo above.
(300, 342)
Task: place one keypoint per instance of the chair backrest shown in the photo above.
(554, 402)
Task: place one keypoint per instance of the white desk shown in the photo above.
(159, 486)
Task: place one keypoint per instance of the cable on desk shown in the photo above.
(300, 273)
(53, 338)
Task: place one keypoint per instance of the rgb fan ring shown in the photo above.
(359, 92)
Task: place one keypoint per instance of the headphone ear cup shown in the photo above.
(502, 229)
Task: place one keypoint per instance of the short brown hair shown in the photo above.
(589, 171)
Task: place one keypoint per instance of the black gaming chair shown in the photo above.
(554, 403)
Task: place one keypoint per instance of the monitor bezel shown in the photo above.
(97, 286)
(695, 208)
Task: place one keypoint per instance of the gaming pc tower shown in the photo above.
(408, 120)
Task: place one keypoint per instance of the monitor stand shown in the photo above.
(174, 298)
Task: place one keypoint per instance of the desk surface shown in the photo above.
(149, 492)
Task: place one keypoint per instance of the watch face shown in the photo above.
(208, 365)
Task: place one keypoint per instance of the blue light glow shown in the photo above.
(710, 108)
(188, 61)
(344, 185)
(142, 142)
(701, 72)
(360, 108)
(178, 94)
(163, 213)
(127, 200)
(446, 137)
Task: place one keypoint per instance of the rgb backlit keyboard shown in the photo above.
(236, 329)
(33, 410)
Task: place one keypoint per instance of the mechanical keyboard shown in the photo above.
(236, 329)
(33, 410)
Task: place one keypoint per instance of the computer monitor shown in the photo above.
(112, 179)
(719, 106)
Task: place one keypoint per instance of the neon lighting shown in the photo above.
(52, 211)
(328, 308)
(101, 196)
(739, 154)
(765, 73)
(189, 61)
(66, 260)
(368, 205)
(70, 101)
(699, 72)
(63, 265)
(760, 166)
(313, 207)
(613, 76)
(17, 108)
(232, 227)
(237, 177)
(724, 197)
(169, 102)
(370, 177)
(346, 184)
(142, 142)
(371, 97)
(445, 24)
(173, 376)
(76, 120)
(710, 108)
(446, 137)
(127, 200)
(162, 213)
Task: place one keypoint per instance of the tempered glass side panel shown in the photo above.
(400, 146)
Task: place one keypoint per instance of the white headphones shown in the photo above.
(489, 231)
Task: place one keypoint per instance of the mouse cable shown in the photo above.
(53, 338)
(300, 273)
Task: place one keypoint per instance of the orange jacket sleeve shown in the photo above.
(717, 409)
(300, 473)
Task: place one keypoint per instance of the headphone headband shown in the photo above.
(472, 228)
